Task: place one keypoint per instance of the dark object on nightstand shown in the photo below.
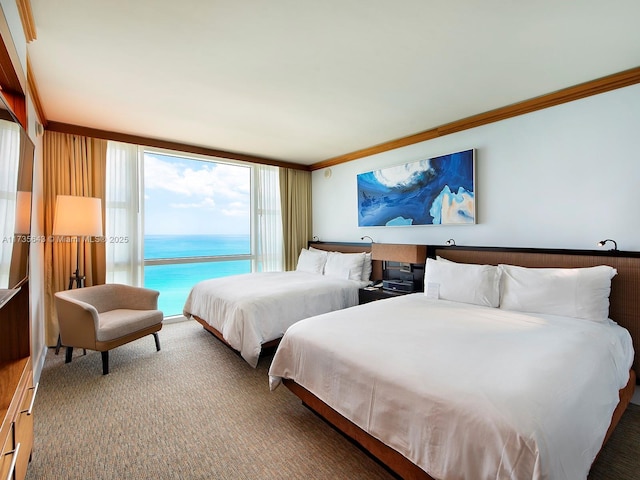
(406, 286)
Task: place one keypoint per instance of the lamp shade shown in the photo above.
(391, 252)
(77, 216)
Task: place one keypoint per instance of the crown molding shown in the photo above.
(576, 92)
(26, 17)
(34, 95)
(168, 145)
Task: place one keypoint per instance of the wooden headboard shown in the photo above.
(346, 247)
(625, 287)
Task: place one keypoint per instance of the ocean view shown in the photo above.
(175, 281)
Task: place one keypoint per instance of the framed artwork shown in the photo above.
(435, 191)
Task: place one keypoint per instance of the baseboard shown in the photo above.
(39, 364)
(174, 319)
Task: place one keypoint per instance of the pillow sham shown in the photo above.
(344, 265)
(312, 262)
(367, 267)
(462, 282)
(568, 292)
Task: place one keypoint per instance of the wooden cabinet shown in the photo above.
(17, 392)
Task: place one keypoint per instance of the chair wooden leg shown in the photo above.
(68, 355)
(157, 339)
(105, 362)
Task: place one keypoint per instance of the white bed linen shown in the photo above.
(465, 391)
(254, 308)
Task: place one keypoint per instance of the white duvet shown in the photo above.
(255, 308)
(465, 392)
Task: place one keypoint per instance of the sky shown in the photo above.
(185, 196)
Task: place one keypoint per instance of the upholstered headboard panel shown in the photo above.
(625, 286)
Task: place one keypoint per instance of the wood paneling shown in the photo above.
(394, 252)
(12, 77)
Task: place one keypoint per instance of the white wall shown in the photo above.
(563, 177)
(36, 252)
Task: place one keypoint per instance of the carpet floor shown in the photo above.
(196, 410)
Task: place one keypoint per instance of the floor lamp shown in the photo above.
(79, 217)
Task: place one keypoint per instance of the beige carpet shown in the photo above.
(195, 410)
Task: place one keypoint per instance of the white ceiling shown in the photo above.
(307, 80)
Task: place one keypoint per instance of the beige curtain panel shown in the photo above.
(73, 165)
(295, 197)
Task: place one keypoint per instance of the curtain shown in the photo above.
(295, 198)
(73, 165)
(10, 155)
(123, 226)
(269, 248)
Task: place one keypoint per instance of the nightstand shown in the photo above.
(366, 296)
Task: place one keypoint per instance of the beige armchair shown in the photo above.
(103, 317)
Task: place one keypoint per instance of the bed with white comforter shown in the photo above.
(465, 391)
(252, 309)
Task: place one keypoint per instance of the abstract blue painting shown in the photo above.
(436, 191)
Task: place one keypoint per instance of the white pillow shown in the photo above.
(567, 292)
(312, 262)
(367, 268)
(462, 282)
(344, 265)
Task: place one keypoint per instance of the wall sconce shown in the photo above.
(601, 243)
(367, 236)
(450, 243)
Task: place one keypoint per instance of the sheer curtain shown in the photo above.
(123, 226)
(269, 247)
(10, 154)
(125, 214)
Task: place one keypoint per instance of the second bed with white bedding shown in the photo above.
(465, 391)
(255, 308)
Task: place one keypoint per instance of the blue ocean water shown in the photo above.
(175, 281)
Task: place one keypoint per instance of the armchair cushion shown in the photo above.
(121, 322)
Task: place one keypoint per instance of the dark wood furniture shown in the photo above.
(366, 295)
(17, 391)
(624, 309)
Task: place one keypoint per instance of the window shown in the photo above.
(198, 217)
(197, 224)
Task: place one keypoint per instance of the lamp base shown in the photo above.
(77, 279)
